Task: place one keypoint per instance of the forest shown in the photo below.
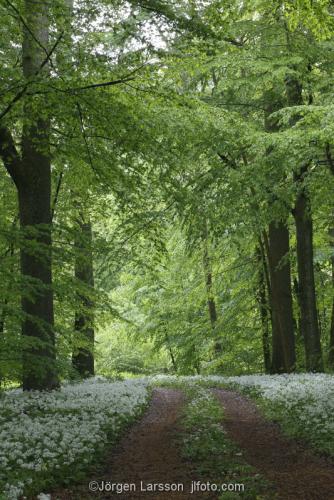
(166, 235)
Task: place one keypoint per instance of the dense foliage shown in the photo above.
(166, 188)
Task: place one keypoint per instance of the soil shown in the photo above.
(149, 453)
(295, 471)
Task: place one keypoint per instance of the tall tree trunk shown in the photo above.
(208, 283)
(32, 176)
(331, 335)
(262, 297)
(83, 355)
(283, 341)
(308, 309)
(39, 370)
(277, 247)
(297, 297)
(330, 161)
(304, 232)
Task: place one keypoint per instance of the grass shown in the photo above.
(215, 458)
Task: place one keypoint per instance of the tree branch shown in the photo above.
(123, 79)
(103, 84)
(22, 92)
(55, 200)
(191, 24)
(90, 158)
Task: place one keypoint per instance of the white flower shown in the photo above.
(42, 431)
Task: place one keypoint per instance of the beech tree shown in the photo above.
(30, 170)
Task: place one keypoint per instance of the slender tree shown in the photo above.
(208, 283)
(278, 252)
(304, 233)
(264, 306)
(330, 162)
(83, 354)
(283, 344)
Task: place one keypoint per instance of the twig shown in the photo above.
(85, 138)
(20, 94)
(55, 200)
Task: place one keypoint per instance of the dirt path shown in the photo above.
(147, 454)
(296, 472)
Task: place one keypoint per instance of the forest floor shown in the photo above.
(289, 465)
(150, 453)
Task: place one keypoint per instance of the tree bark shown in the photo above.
(308, 310)
(304, 232)
(263, 301)
(39, 359)
(83, 356)
(283, 341)
(210, 297)
(39, 370)
(170, 350)
(331, 334)
(299, 333)
(31, 172)
(277, 248)
(330, 161)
